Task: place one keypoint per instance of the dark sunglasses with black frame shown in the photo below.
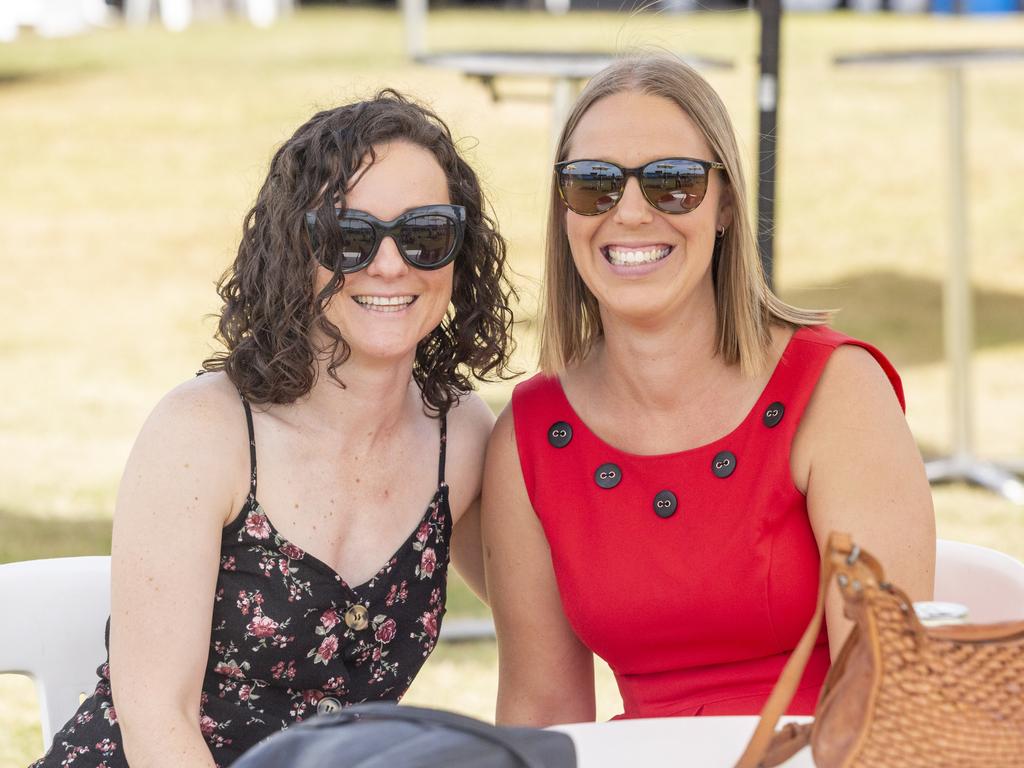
(672, 185)
(428, 237)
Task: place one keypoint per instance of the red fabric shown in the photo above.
(695, 613)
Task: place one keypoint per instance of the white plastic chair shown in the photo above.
(54, 613)
(988, 582)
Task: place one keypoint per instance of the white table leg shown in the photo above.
(958, 313)
(261, 13)
(561, 103)
(137, 12)
(414, 21)
(958, 321)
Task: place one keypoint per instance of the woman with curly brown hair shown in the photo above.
(368, 286)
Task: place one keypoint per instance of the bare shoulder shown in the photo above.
(853, 409)
(471, 418)
(203, 416)
(196, 434)
(853, 378)
(204, 403)
(501, 447)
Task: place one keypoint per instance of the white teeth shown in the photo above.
(624, 257)
(384, 303)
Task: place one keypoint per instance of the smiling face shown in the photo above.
(642, 264)
(386, 309)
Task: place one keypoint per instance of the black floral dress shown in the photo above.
(290, 638)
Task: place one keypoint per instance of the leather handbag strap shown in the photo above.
(761, 743)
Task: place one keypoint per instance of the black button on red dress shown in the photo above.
(665, 504)
(559, 434)
(724, 463)
(773, 414)
(607, 475)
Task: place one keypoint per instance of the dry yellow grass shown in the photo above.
(129, 158)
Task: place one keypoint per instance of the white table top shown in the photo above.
(682, 742)
(935, 57)
(567, 64)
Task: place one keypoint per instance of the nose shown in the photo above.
(388, 262)
(633, 208)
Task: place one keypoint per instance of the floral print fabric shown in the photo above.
(289, 636)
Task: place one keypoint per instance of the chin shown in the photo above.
(384, 351)
(644, 307)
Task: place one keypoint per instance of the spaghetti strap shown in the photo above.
(252, 452)
(440, 458)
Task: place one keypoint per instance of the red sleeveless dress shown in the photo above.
(692, 574)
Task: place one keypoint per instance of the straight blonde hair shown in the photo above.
(746, 307)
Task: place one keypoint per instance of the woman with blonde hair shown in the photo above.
(659, 493)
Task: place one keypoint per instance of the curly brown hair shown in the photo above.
(269, 308)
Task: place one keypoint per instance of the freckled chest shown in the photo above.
(350, 508)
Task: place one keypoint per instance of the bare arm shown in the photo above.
(174, 497)
(863, 475)
(467, 550)
(469, 426)
(545, 673)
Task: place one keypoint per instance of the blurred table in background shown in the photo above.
(51, 18)
(567, 71)
(958, 317)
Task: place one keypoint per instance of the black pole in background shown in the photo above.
(768, 101)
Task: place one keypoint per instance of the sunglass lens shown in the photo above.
(674, 186)
(427, 240)
(589, 186)
(357, 239)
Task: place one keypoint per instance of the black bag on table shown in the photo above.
(383, 735)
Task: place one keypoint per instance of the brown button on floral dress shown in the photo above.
(290, 637)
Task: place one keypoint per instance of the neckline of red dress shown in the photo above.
(557, 382)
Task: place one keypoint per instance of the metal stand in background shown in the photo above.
(961, 464)
(414, 18)
(768, 104)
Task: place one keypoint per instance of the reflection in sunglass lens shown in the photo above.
(674, 186)
(357, 238)
(428, 239)
(591, 187)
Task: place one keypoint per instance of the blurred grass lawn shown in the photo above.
(129, 158)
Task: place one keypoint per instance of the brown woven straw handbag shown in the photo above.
(899, 695)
